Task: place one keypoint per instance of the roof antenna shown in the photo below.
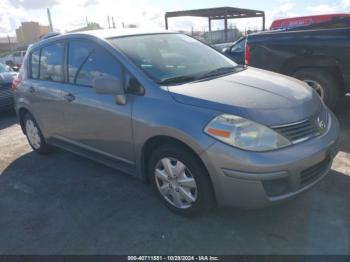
(50, 21)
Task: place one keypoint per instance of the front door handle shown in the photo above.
(69, 97)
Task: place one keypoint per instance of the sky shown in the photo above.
(72, 14)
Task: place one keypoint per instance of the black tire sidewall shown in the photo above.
(328, 82)
(205, 199)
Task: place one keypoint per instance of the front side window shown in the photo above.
(78, 53)
(35, 64)
(171, 56)
(51, 62)
(99, 64)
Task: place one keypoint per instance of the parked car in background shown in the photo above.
(14, 60)
(220, 47)
(169, 109)
(296, 22)
(332, 24)
(6, 95)
(321, 58)
(236, 50)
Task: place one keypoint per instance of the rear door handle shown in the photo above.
(31, 89)
(69, 97)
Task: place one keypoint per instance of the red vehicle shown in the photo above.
(293, 22)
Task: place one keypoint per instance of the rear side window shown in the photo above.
(35, 64)
(51, 62)
(78, 53)
(99, 63)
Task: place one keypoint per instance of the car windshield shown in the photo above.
(173, 58)
(5, 68)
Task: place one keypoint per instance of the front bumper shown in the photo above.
(258, 179)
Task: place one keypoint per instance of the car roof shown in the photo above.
(102, 34)
(110, 33)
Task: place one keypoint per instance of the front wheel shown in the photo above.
(180, 180)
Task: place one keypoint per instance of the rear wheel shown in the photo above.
(180, 180)
(323, 82)
(34, 135)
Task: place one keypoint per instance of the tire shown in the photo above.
(330, 88)
(201, 198)
(34, 135)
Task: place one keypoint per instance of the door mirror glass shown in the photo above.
(226, 50)
(108, 85)
(133, 86)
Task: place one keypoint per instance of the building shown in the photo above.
(30, 32)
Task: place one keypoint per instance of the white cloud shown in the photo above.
(11, 17)
(346, 4)
(286, 9)
(71, 14)
(342, 6)
(33, 4)
(322, 9)
(76, 12)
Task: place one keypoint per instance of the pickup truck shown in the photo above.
(319, 57)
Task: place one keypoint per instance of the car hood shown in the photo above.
(7, 77)
(258, 95)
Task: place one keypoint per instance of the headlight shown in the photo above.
(245, 134)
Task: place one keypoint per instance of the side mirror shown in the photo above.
(133, 86)
(110, 85)
(226, 50)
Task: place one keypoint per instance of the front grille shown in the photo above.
(312, 173)
(300, 131)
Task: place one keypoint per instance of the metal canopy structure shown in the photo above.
(218, 13)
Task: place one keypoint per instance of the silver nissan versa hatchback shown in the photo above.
(171, 110)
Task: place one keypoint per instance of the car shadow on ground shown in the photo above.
(7, 118)
(65, 204)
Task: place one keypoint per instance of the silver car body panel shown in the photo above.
(94, 126)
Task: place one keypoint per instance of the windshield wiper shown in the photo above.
(190, 78)
(177, 80)
(219, 71)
